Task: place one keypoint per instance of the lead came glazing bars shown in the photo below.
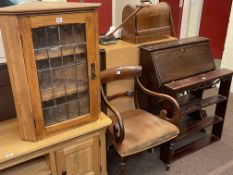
(76, 76)
(63, 74)
(62, 71)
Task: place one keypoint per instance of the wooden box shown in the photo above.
(149, 24)
(52, 55)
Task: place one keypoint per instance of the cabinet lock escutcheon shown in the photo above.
(93, 74)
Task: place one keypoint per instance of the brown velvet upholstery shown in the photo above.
(143, 131)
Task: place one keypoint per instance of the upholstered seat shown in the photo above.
(143, 131)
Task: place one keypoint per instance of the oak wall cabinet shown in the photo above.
(52, 54)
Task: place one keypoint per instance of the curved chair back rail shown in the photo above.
(116, 73)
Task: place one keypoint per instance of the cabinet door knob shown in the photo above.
(64, 173)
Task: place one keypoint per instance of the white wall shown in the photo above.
(117, 7)
(191, 18)
(227, 59)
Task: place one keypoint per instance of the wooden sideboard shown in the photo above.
(80, 150)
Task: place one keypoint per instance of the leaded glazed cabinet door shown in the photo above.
(61, 53)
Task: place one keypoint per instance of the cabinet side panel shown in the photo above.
(18, 76)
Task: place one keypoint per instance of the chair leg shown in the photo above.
(122, 166)
(171, 150)
(108, 143)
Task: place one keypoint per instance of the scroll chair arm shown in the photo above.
(118, 128)
(163, 113)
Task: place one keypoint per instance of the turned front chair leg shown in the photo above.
(171, 150)
(122, 166)
(108, 143)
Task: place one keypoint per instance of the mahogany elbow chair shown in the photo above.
(137, 130)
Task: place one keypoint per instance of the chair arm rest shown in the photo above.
(118, 127)
(163, 113)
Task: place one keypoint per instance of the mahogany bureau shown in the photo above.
(184, 69)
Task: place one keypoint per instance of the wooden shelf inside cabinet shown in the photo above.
(54, 52)
(62, 91)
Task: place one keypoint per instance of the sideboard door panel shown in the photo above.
(81, 158)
